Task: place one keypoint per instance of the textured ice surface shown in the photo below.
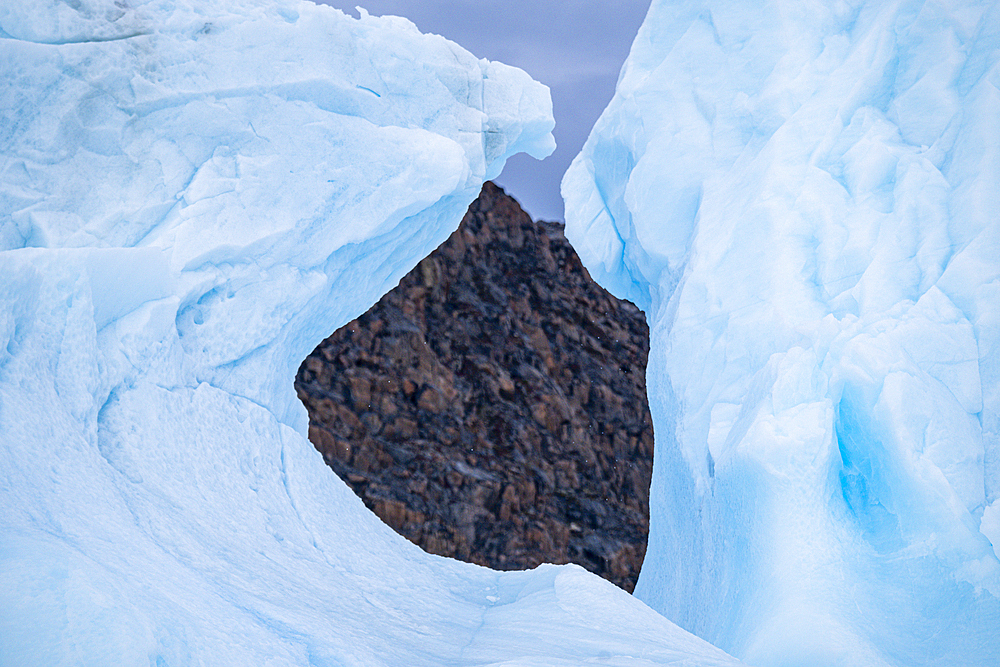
(192, 195)
(804, 198)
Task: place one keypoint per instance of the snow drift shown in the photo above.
(192, 195)
(803, 197)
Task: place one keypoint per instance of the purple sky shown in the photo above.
(576, 47)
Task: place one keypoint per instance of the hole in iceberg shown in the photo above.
(492, 407)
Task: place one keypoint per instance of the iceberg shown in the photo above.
(192, 196)
(803, 199)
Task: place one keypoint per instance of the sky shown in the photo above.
(576, 47)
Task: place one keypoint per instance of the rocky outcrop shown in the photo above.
(492, 407)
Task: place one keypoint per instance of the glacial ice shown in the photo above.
(803, 198)
(192, 195)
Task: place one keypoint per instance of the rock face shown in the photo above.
(492, 407)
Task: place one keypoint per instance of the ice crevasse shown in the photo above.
(192, 195)
(804, 197)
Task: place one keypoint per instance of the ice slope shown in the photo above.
(192, 195)
(804, 197)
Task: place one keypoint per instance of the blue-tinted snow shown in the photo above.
(192, 195)
(803, 197)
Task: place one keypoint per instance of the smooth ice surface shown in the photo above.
(192, 195)
(803, 197)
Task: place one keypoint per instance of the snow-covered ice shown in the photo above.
(804, 197)
(192, 195)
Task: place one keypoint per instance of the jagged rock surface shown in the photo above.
(492, 407)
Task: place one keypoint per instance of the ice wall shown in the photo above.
(803, 196)
(192, 195)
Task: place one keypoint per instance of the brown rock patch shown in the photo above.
(492, 407)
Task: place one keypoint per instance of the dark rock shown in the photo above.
(492, 407)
